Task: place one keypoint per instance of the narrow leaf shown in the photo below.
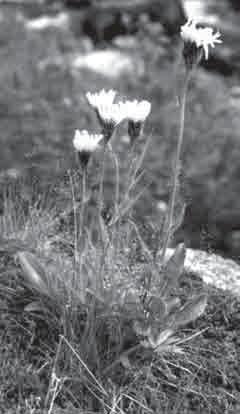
(179, 220)
(166, 348)
(160, 338)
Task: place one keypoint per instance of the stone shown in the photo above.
(110, 63)
(212, 269)
(59, 21)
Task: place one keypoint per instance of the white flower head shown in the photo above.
(208, 39)
(136, 112)
(101, 98)
(85, 144)
(197, 39)
(189, 31)
(110, 115)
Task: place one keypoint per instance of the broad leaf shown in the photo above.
(172, 305)
(142, 328)
(34, 273)
(34, 307)
(125, 362)
(190, 311)
(157, 308)
(173, 270)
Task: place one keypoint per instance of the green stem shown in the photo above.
(117, 189)
(100, 197)
(75, 220)
(116, 232)
(81, 238)
(81, 225)
(172, 202)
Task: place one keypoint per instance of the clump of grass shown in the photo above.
(104, 329)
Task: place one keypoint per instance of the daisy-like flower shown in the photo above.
(197, 40)
(101, 98)
(136, 112)
(85, 144)
(110, 115)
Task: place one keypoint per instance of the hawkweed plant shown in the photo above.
(196, 44)
(102, 308)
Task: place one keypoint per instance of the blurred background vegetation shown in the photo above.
(52, 52)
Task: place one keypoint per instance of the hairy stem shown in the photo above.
(81, 225)
(172, 202)
(102, 173)
(75, 220)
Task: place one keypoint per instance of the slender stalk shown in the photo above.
(102, 173)
(100, 203)
(117, 190)
(117, 197)
(107, 145)
(75, 220)
(84, 186)
(172, 202)
(81, 279)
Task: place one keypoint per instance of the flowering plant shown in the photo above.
(93, 296)
(136, 113)
(197, 40)
(85, 144)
